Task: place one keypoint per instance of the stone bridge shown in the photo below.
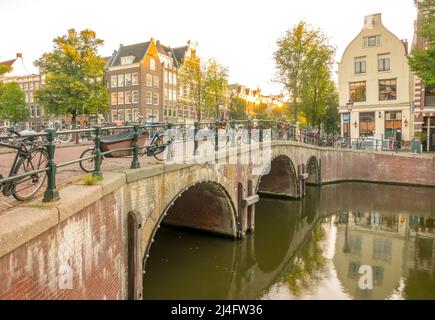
(94, 242)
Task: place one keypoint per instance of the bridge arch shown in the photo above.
(313, 170)
(279, 178)
(205, 206)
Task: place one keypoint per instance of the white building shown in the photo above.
(374, 79)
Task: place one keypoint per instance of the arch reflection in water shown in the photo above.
(308, 249)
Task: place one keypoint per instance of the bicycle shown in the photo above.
(156, 147)
(30, 156)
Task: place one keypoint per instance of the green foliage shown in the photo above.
(422, 61)
(90, 180)
(12, 103)
(74, 80)
(4, 69)
(237, 109)
(216, 85)
(262, 112)
(191, 77)
(304, 60)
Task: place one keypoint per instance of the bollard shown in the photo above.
(135, 162)
(51, 193)
(97, 160)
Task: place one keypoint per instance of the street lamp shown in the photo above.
(349, 106)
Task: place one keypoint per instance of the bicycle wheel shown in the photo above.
(64, 138)
(159, 152)
(89, 164)
(29, 186)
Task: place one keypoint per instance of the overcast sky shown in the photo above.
(240, 34)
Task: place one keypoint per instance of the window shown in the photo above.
(135, 79)
(357, 91)
(25, 86)
(148, 115)
(372, 41)
(135, 95)
(366, 124)
(175, 79)
(114, 115)
(156, 81)
(149, 98)
(135, 113)
(30, 97)
(27, 98)
(114, 98)
(128, 117)
(360, 65)
(128, 97)
(155, 99)
(127, 60)
(387, 89)
(149, 80)
(165, 74)
(156, 115)
(120, 80)
(393, 123)
(113, 81)
(31, 86)
(36, 85)
(174, 95)
(383, 62)
(166, 94)
(170, 77)
(120, 97)
(152, 64)
(128, 79)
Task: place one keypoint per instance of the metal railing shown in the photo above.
(254, 130)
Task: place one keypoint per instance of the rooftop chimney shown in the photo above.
(372, 20)
(405, 44)
(19, 55)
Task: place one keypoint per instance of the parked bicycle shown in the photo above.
(30, 156)
(123, 140)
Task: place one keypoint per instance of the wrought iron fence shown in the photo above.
(252, 130)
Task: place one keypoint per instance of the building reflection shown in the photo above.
(399, 248)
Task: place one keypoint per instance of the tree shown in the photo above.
(192, 80)
(422, 61)
(331, 118)
(237, 109)
(299, 58)
(216, 83)
(4, 69)
(12, 103)
(73, 76)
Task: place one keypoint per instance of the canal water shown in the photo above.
(342, 241)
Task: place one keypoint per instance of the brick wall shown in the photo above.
(377, 167)
(83, 257)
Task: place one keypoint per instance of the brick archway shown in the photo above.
(281, 179)
(313, 170)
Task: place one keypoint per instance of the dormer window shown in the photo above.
(372, 41)
(127, 60)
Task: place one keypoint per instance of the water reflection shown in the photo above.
(310, 249)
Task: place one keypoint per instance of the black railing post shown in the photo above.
(233, 133)
(97, 160)
(51, 193)
(135, 162)
(288, 128)
(249, 131)
(280, 131)
(169, 142)
(260, 131)
(216, 136)
(195, 138)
